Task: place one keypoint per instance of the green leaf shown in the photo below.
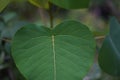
(40, 3)
(3, 4)
(71, 4)
(109, 57)
(64, 53)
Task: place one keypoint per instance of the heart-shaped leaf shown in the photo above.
(109, 57)
(64, 53)
(71, 4)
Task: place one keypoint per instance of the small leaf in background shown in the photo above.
(64, 53)
(3, 4)
(10, 24)
(9, 16)
(10, 30)
(71, 4)
(40, 3)
(109, 57)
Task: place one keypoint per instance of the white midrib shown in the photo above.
(54, 55)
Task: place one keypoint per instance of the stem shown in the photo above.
(51, 15)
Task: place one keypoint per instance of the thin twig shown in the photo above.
(6, 40)
(99, 37)
(11, 74)
(42, 16)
